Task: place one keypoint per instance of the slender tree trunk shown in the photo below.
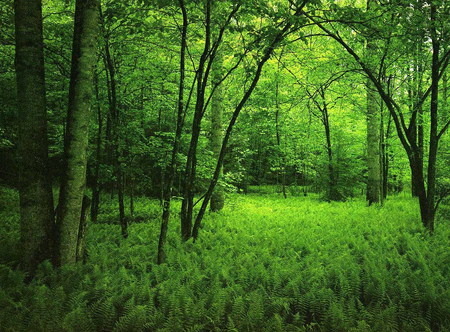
(35, 190)
(382, 154)
(374, 172)
(434, 140)
(333, 194)
(268, 52)
(218, 197)
(417, 172)
(176, 145)
(187, 206)
(131, 184)
(374, 180)
(446, 115)
(76, 140)
(277, 130)
(81, 243)
(386, 157)
(96, 186)
(115, 137)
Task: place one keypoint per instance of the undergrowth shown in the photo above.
(262, 264)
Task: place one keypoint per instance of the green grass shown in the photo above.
(262, 264)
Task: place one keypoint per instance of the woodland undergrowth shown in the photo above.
(262, 264)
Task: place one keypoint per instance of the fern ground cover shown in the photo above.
(262, 264)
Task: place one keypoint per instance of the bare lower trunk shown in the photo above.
(81, 243)
(218, 197)
(173, 163)
(277, 130)
(187, 207)
(96, 185)
(35, 191)
(374, 180)
(114, 148)
(76, 141)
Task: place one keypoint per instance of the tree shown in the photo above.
(35, 191)
(277, 37)
(374, 192)
(176, 144)
(424, 178)
(84, 51)
(218, 197)
(114, 128)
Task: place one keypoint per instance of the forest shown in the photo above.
(225, 165)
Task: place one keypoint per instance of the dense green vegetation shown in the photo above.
(263, 264)
(242, 165)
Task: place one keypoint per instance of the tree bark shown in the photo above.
(333, 193)
(218, 197)
(114, 146)
(76, 141)
(176, 144)
(81, 243)
(35, 190)
(95, 202)
(374, 180)
(374, 190)
(386, 150)
(434, 140)
(187, 206)
(278, 135)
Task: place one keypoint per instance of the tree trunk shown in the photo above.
(81, 243)
(374, 180)
(333, 194)
(434, 138)
(131, 184)
(277, 130)
(96, 186)
(218, 197)
(35, 190)
(76, 141)
(268, 52)
(374, 192)
(176, 144)
(385, 151)
(187, 205)
(114, 148)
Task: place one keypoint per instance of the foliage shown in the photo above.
(263, 264)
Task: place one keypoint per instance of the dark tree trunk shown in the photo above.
(98, 155)
(374, 192)
(187, 206)
(171, 171)
(277, 131)
(35, 190)
(218, 197)
(374, 180)
(115, 136)
(81, 243)
(76, 141)
(333, 194)
(131, 186)
(385, 151)
(434, 138)
(268, 52)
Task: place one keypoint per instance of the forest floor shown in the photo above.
(264, 263)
